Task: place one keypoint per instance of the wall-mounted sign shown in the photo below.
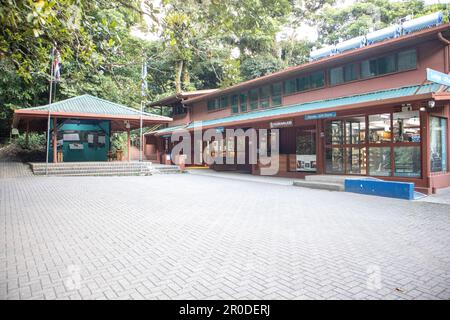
(323, 115)
(438, 77)
(281, 124)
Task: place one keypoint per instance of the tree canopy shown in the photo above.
(193, 44)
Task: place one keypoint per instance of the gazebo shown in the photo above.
(81, 127)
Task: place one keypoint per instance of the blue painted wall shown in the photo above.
(90, 152)
(392, 189)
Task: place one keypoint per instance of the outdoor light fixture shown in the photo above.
(422, 109)
(127, 124)
(431, 104)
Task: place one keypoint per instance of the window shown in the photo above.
(380, 161)
(407, 126)
(343, 74)
(355, 160)
(317, 79)
(223, 102)
(276, 94)
(234, 103)
(407, 60)
(380, 128)
(355, 130)
(334, 160)
(334, 132)
(438, 144)
(306, 149)
(303, 84)
(213, 104)
(253, 95)
(243, 101)
(290, 86)
(264, 97)
(407, 161)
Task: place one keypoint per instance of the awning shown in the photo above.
(87, 107)
(396, 95)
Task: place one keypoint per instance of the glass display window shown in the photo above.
(438, 144)
(355, 130)
(406, 126)
(380, 161)
(380, 128)
(407, 161)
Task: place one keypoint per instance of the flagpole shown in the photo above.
(49, 103)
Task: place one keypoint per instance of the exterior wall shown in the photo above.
(430, 54)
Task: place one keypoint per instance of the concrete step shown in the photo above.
(95, 174)
(319, 185)
(339, 179)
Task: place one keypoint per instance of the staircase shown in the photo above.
(102, 169)
(325, 182)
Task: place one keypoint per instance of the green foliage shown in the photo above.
(36, 141)
(260, 65)
(364, 16)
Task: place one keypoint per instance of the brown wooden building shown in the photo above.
(367, 111)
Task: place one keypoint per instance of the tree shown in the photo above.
(364, 16)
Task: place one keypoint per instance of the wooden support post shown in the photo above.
(55, 145)
(129, 145)
(27, 137)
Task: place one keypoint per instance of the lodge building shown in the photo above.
(368, 111)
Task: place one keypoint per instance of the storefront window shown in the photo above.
(407, 126)
(334, 132)
(355, 130)
(380, 161)
(334, 160)
(380, 128)
(438, 144)
(355, 160)
(407, 161)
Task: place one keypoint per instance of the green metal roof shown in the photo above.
(87, 104)
(313, 106)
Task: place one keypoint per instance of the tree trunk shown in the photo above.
(179, 72)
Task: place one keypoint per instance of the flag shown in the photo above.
(144, 79)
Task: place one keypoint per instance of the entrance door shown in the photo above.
(345, 149)
(306, 149)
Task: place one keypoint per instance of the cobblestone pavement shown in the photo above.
(199, 237)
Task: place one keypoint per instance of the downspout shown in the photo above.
(446, 51)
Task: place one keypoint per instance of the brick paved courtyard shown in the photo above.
(201, 237)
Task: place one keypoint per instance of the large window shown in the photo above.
(406, 126)
(438, 144)
(343, 74)
(213, 104)
(380, 161)
(405, 60)
(380, 128)
(407, 161)
(306, 82)
(392, 148)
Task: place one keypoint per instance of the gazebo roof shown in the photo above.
(89, 107)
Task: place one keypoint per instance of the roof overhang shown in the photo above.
(342, 58)
(225, 122)
(38, 119)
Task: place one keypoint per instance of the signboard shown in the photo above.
(438, 77)
(281, 124)
(306, 162)
(323, 115)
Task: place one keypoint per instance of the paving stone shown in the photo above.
(201, 237)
